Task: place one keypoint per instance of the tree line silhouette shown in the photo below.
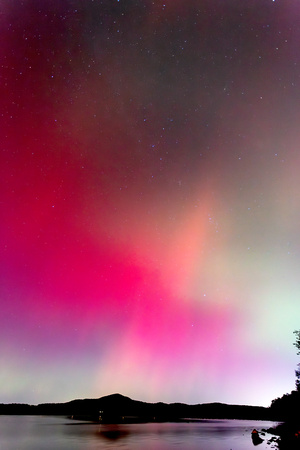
(285, 407)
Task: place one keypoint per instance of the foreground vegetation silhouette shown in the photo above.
(287, 409)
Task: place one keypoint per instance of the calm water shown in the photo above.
(40, 433)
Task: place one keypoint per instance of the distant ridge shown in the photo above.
(118, 408)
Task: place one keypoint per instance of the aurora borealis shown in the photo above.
(149, 199)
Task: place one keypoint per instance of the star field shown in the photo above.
(149, 197)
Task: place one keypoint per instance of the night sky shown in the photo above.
(150, 199)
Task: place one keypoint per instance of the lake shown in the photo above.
(48, 433)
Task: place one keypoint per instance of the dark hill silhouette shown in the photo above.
(118, 408)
